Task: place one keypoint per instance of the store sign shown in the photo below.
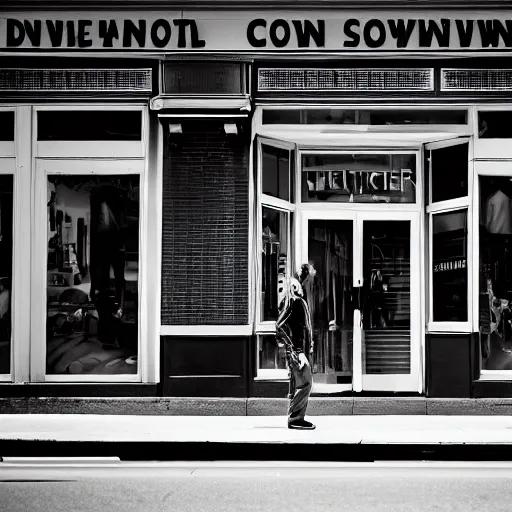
(341, 31)
(450, 265)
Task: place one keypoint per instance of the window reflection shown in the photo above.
(496, 272)
(449, 269)
(6, 247)
(92, 274)
(274, 260)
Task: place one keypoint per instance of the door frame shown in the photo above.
(411, 382)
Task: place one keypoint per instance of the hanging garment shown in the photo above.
(498, 214)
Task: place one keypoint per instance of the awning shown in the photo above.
(327, 138)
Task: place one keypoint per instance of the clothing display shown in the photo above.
(498, 214)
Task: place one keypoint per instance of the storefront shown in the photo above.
(163, 171)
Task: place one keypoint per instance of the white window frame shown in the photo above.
(264, 200)
(77, 158)
(484, 169)
(12, 164)
(460, 203)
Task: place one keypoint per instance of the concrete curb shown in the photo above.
(319, 406)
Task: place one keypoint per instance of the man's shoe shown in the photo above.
(301, 425)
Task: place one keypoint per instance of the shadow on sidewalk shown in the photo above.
(200, 451)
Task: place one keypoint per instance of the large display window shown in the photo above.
(494, 269)
(88, 278)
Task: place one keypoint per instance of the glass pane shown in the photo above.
(6, 240)
(376, 117)
(449, 270)
(449, 172)
(386, 297)
(89, 125)
(495, 273)
(275, 168)
(271, 356)
(7, 125)
(329, 296)
(359, 178)
(274, 261)
(495, 124)
(92, 276)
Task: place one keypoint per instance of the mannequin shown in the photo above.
(107, 252)
(497, 220)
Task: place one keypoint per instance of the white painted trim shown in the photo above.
(7, 166)
(391, 383)
(91, 167)
(154, 252)
(144, 267)
(238, 102)
(22, 306)
(451, 204)
(118, 378)
(80, 106)
(266, 328)
(449, 327)
(252, 243)
(448, 142)
(493, 168)
(271, 375)
(206, 330)
(423, 248)
(275, 202)
(5, 377)
(7, 148)
(278, 143)
(90, 148)
(493, 375)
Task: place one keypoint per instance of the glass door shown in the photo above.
(364, 300)
(390, 320)
(329, 245)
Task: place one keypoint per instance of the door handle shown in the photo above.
(356, 297)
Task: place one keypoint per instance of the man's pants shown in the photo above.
(301, 382)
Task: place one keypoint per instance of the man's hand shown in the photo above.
(302, 360)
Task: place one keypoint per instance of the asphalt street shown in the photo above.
(248, 486)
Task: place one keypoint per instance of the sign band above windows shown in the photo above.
(339, 31)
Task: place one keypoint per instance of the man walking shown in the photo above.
(295, 333)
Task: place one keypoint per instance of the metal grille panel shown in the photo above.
(205, 227)
(476, 80)
(75, 80)
(282, 79)
(387, 352)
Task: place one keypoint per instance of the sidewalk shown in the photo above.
(231, 430)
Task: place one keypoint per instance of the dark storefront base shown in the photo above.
(217, 370)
